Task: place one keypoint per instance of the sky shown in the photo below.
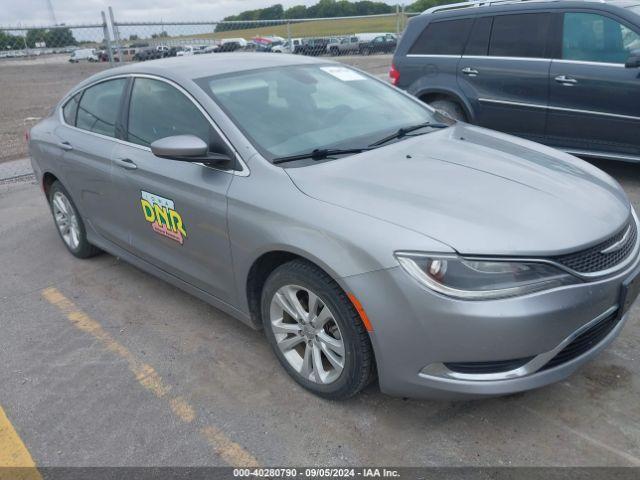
(36, 12)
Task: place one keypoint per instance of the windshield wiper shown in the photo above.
(319, 154)
(402, 132)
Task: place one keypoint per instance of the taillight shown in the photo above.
(394, 75)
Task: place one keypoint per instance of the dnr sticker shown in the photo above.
(160, 212)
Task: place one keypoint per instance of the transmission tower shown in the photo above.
(52, 13)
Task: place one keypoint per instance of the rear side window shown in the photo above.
(595, 38)
(443, 38)
(99, 105)
(478, 43)
(70, 110)
(158, 110)
(522, 35)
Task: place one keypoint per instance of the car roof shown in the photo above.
(480, 6)
(187, 68)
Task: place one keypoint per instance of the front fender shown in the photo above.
(268, 213)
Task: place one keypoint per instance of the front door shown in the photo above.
(176, 211)
(594, 102)
(505, 72)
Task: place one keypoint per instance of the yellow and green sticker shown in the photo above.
(161, 213)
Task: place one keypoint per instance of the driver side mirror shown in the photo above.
(187, 148)
(633, 61)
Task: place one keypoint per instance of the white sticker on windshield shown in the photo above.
(342, 73)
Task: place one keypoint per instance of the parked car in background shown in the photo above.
(292, 46)
(564, 73)
(83, 54)
(344, 46)
(379, 44)
(313, 46)
(230, 46)
(211, 49)
(187, 50)
(153, 53)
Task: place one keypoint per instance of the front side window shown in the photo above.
(443, 38)
(99, 106)
(70, 109)
(596, 38)
(295, 109)
(522, 35)
(158, 110)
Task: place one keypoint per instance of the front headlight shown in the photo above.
(458, 277)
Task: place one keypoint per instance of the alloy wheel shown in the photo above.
(307, 334)
(66, 220)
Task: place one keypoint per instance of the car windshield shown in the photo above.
(296, 109)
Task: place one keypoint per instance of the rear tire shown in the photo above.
(315, 331)
(69, 223)
(451, 108)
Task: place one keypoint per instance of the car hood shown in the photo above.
(479, 191)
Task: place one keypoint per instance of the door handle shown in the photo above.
(472, 72)
(65, 145)
(126, 163)
(567, 81)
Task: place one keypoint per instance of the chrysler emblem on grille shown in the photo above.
(619, 244)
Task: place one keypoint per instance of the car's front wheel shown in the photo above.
(69, 223)
(316, 332)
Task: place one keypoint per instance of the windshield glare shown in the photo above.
(296, 109)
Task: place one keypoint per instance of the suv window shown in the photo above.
(99, 105)
(478, 43)
(521, 35)
(158, 110)
(443, 38)
(596, 38)
(70, 109)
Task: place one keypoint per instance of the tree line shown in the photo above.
(52, 38)
(330, 9)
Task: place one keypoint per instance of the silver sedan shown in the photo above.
(369, 235)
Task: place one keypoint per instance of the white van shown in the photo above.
(88, 54)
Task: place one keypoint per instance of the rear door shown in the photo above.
(175, 212)
(87, 137)
(504, 72)
(594, 102)
(431, 63)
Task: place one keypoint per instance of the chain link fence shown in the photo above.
(115, 40)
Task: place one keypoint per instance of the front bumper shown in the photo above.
(417, 333)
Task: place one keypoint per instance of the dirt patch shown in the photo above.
(29, 90)
(607, 376)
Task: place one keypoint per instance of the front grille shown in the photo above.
(593, 260)
(584, 342)
(498, 366)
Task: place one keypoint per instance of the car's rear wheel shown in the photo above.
(69, 223)
(450, 108)
(315, 331)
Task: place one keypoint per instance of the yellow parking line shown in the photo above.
(145, 374)
(15, 460)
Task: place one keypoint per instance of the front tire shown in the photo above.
(316, 332)
(69, 223)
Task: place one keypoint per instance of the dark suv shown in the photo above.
(563, 73)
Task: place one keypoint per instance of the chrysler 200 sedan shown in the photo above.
(368, 234)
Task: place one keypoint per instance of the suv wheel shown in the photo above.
(450, 108)
(316, 332)
(334, 51)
